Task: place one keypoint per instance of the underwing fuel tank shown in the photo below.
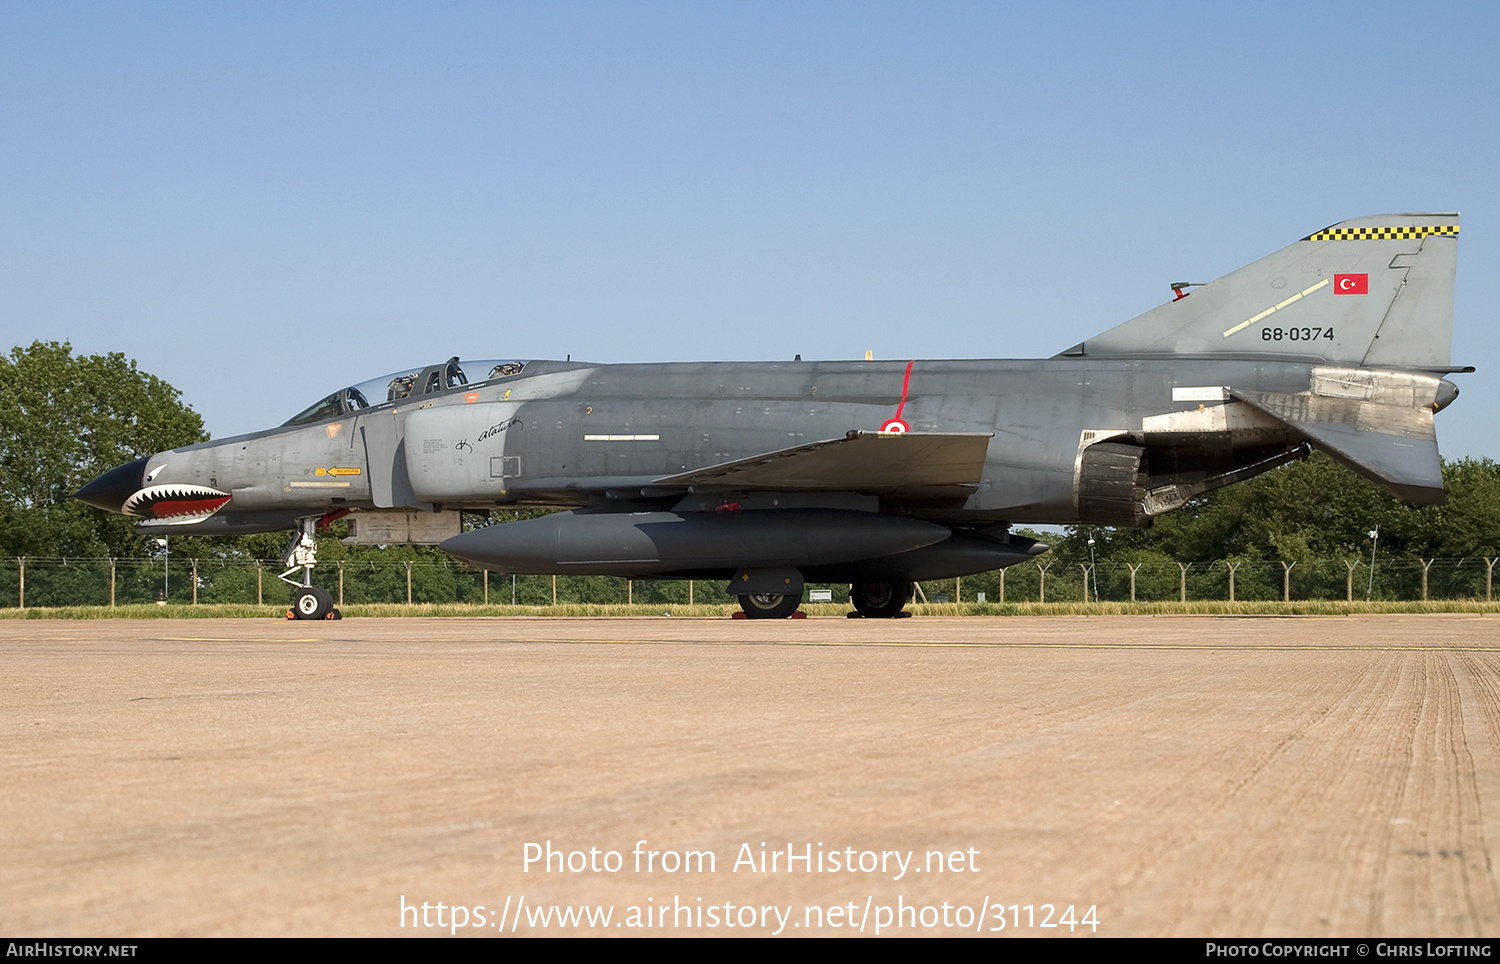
(650, 543)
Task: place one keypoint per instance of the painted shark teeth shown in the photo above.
(175, 503)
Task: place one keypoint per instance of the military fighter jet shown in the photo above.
(872, 473)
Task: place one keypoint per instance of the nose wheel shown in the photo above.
(309, 601)
(313, 603)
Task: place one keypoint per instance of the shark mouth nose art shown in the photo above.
(176, 503)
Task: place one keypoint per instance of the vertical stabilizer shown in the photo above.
(1374, 291)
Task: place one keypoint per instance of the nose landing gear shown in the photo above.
(301, 552)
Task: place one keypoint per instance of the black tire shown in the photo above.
(312, 603)
(880, 600)
(769, 606)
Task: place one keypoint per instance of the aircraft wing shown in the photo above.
(926, 464)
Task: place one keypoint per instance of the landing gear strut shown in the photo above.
(301, 552)
(880, 600)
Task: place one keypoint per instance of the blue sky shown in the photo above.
(261, 202)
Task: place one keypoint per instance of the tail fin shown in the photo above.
(1371, 292)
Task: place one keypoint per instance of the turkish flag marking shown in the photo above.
(1351, 284)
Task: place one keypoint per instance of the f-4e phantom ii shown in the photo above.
(871, 473)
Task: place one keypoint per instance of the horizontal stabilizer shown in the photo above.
(925, 463)
(1393, 446)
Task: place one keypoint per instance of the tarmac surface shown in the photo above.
(1172, 776)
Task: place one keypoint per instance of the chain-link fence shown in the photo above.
(34, 582)
(1391, 579)
(103, 582)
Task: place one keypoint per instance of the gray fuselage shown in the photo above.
(561, 433)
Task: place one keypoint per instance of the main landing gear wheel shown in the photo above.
(313, 603)
(880, 600)
(767, 605)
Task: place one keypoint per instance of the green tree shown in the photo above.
(64, 419)
(1318, 515)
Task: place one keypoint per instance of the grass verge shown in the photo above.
(1310, 607)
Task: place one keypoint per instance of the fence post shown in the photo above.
(1426, 565)
(1002, 585)
(408, 582)
(1041, 588)
(554, 589)
(1489, 576)
(1085, 569)
(195, 582)
(486, 575)
(111, 582)
(259, 595)
(1231, 566)
(1133, 570)
(22, 587)
(1349, 595)
(1183, 591)
(1286, 581)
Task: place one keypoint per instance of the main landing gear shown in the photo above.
(883, 599)
(877, 599)
(765, 605)
(301, 552)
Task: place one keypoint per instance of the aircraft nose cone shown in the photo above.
(110, 490)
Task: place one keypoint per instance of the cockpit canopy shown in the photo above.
(451, 374)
